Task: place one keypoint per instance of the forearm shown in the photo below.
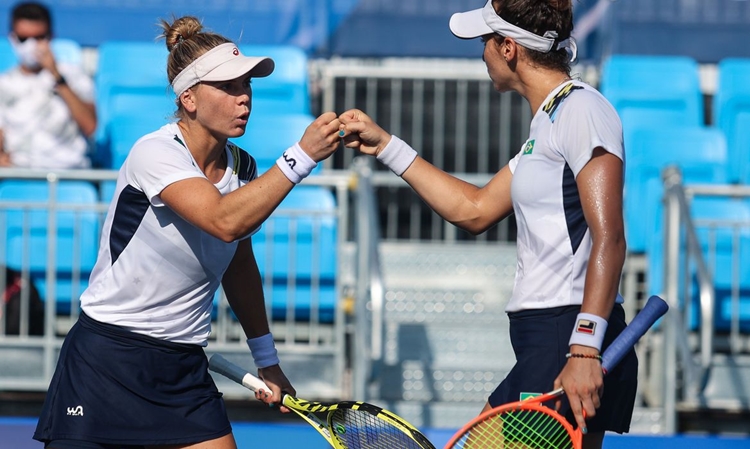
(603, 274)
(463, 204)
(244, 290)
(83, 113)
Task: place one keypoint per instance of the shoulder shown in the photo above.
(243, 165)
(162, 144)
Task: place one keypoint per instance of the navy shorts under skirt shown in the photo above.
(113, 386)
(540, 342)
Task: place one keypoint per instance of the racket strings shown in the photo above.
(518, 429)
(355, 429)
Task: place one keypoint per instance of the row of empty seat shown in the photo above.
(660, 102)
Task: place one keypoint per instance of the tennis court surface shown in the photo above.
(15, 433)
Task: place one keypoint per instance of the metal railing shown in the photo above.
(687, 268)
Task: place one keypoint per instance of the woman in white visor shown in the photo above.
(565, 189)
(132, 372)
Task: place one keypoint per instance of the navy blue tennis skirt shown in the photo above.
(113, 386)
(540, 342)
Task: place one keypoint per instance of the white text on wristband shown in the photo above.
(588, 331)
(263, 350)
(295, 163)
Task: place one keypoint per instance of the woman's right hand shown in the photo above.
(362, 133)
(321, 138)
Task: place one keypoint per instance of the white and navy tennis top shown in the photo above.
(156, 274)
(553, 241)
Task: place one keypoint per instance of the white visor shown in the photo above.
(479, 22)
(221, 63)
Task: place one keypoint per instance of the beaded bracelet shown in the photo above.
(584, 356)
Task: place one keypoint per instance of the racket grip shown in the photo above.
(224, 367)
(654, 309)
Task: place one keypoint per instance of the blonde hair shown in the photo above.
(186, 41)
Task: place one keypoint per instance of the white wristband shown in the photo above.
(589, 331)
(263, 350)
(295, 163)
(397, 155)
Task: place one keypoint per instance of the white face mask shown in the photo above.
(26, 52)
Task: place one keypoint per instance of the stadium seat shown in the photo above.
(267, 136)
(731, 108)
(701, 154)
(296, 254)
(664, 87)
(126, 128)
(653, 91)
(131, 81)
(28, 242)
(65, 50)
(286, 89)
(723, 231)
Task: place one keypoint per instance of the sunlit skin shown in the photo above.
(476, 209)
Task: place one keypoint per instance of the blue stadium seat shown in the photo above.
(65, 50)
(652, 91)
(27, 237)
(724, 249)
(126, 128)
(131, 80)
(731, 108)
(286, 90)
(701, 154)
(296, 254)
(267, 136)
(647, 88)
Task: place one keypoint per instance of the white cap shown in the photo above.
(479, 22)
(222, 63)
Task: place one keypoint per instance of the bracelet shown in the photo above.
(588, 331)
(584, 356)
(397, 155)
(295, 163)
(60, 81)
(263, 350)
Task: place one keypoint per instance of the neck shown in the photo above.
(206, 149)
(539, 86)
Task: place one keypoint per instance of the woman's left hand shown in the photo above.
(275, 378)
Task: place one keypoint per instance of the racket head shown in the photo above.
(314, 413)
(351, 425)
(524, 424)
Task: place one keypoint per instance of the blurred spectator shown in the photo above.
(46, 109)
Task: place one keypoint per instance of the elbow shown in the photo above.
(89, 129)
(229, 232)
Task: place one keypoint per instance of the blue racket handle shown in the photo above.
(654, 309)
(219, 364)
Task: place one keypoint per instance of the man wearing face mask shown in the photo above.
(46, 109)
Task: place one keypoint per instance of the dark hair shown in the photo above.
(540, 16)
(31, 11)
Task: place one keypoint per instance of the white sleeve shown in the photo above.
(155, 162)
(587, 122)
(513, 163)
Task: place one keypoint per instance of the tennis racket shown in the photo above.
(529, 423)
(345, 425)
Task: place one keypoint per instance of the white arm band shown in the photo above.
(589, 331)
(397, 155)
(295, 163)
(263, 350)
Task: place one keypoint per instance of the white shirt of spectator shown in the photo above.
(38, 128)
